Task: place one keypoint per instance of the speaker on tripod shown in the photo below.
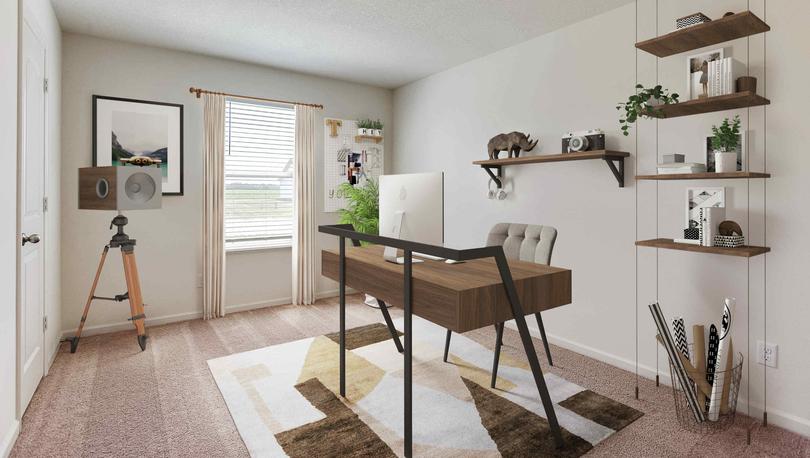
(120, 188)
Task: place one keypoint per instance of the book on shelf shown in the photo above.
(682, 167)
(722, 76)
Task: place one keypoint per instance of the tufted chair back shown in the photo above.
(526, 242)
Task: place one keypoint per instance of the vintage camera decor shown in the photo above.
(583, 140)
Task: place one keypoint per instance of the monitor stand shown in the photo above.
(390, 253)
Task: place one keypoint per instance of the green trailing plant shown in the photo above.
(362, 207)
(643, 105)
(726, 137)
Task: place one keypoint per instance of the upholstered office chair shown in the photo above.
(526, 242)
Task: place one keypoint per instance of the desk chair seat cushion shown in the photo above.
(526, 242)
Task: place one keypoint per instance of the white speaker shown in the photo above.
(120, 188)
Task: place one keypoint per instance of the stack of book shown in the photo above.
(681, 167)
(722, 74)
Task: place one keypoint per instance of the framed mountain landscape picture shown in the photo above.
(125, 128)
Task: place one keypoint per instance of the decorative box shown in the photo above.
(673, 159)
(729, 241)
(692, 19)
(692, 233)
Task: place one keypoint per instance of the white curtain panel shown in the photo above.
(214, 207)
(303, 252)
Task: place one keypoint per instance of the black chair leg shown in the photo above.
(390, 324)
(498, 344)
(543, 336)
(447, 344)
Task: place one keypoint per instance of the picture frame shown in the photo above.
(694, 64)
(708, 152)
(134, 127)
(704, 197)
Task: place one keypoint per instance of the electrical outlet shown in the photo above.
(767, 353)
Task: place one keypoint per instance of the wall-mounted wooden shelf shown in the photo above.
(367, 138)
(733, 101)
(746, 251)
(614, 160)
(703, 176)
(710, 33)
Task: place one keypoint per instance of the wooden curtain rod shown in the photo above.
(197, 91)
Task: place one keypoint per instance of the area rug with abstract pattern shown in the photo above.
(284, 402)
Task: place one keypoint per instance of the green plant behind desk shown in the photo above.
(362, 207)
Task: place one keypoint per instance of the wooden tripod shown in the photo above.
(133, 294)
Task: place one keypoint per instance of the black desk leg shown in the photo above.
(408, 353)
(498, 344)
(342, 287)
(528, 346)
(390, 324)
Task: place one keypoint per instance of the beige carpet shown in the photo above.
(111, 399)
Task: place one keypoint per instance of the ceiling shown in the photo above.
(385, 43)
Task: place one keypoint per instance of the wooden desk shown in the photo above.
(459, 297)
(485, 290)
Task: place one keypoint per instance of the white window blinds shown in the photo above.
(259, 151)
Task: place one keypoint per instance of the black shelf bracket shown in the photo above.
(496, 177)
(617, 172)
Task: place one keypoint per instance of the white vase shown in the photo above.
(378, 132)
(361, 131)
(725, 162)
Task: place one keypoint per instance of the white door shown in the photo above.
(32, 175)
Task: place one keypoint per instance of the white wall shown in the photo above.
(571, 79)
(9, 26)
(41, 12)
(169, 240)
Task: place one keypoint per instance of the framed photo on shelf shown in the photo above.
(696, 66)
(123, 128)
(697, 198)
(708, 152)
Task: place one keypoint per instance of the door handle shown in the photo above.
(33, 238)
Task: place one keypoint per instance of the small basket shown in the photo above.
(726, 418)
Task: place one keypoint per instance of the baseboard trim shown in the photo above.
(776, 417)
(166, 319)
(9, 439)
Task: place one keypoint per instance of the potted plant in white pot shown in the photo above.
(365, 127)
(725, 139)
(378, 126)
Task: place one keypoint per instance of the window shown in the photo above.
(259, 148)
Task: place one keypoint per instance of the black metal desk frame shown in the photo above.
(346, 231)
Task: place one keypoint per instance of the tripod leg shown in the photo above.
(135, 298)
(74, 342)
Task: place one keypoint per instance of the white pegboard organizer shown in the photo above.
(335, 150)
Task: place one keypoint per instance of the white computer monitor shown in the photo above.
(412, 208)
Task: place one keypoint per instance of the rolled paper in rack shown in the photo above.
(722, 357)
(699, 350)
(729, 377)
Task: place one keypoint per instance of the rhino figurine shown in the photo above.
(513, 143)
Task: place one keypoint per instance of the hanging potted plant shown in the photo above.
(378, 126)
(725, 140)
(643, 105)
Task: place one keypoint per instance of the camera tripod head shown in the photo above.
(120, 239)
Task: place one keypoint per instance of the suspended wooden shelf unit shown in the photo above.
(367, 138)
(729, 28)
(614, 160)
(733, 101)
(746, 251)
(703, 176)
